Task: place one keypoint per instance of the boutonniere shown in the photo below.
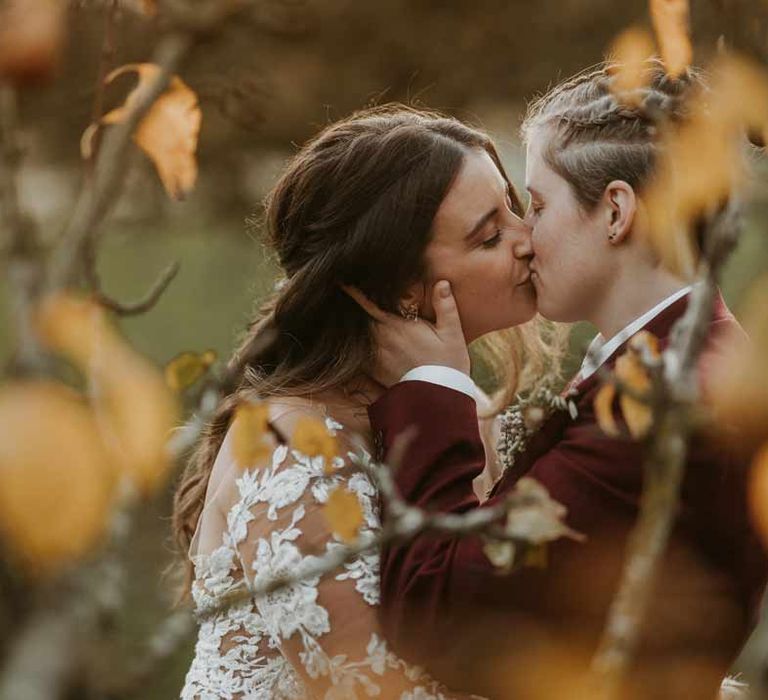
(524, 417)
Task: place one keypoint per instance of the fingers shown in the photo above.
(446, 311)
(365, 303)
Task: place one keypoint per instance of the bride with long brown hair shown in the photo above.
(388, 200)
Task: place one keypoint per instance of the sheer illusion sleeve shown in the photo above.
(323, 630)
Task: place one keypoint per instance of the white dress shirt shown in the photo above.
(598, 352)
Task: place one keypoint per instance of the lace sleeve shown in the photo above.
(326, 628)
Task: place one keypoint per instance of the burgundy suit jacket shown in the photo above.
(445, 606)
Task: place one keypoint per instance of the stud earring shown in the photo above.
(612, 236)
(410, 312)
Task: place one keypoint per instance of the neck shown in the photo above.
(631, 296)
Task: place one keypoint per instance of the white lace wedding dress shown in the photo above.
(316, 639)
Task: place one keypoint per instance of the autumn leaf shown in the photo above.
(630, 53)
(252, 442)
(758, 493)
(539, 518)
(31, 36)
(671, 23)
(186, 368)
(343, 513)
(56, 477)
(604, 409)
(135, 409)
(313, 439)
(168, 132)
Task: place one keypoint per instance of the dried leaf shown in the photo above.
(501, 554)
(343, 513)
(638, 416)
(56, 480)
(252, 442)
(604, 410)
(536, 518)
(631, 51)
(313, 439)
(31, 36)
(167, 133)
(135, 409)
(186, 368)
(671, 23)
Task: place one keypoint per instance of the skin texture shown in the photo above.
(593, 265)
(488, 271)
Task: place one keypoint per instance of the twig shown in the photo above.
(674, 397)
(121, 308)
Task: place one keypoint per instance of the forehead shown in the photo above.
(474, 192)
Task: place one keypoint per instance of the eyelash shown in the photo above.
(493, 241)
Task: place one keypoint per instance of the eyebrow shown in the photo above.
(482, 221)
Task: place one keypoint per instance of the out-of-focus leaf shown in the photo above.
(168, 132)
(739, 377)
(604, 409)
(252, 442)
(186, 368)
(540, 519)
(56, 479)
(631, 51)
(536, 557)
(312, 438)
(343, 513)
(501, 554)
(638, 415)
(671, 23)
(758, 494)
(31, 35)
(135, 409)
(701, 163)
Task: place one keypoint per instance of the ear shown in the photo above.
(412, 298)
(621, 207)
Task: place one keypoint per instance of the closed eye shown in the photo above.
(493, 241)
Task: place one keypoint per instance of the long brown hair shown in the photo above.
(355, 205)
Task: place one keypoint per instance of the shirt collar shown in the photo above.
(600, 350)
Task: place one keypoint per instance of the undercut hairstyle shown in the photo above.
(596, 134)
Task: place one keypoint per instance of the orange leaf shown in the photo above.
(167, 133)
(31, 35)
(186, 368)
(343, 513)
(638, 415)
(135, 408)
(312, 438)
(252, 443)
(758, 493)
(631, 51)
(604, 409)
(670, 21)
(56, 479)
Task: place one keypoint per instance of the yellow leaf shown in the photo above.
(670, 21)
(135, 409)
(31, 35)
(252, 442)
(186, 368)
(604, 409)
(343, 513)
(758, 493)
(536, 556)
(638, 415)
(168, 132)
(312, 438)
(56, 480)
(631, 51)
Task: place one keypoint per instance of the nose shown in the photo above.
(521, 239)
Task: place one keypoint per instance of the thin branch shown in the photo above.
(674, 398)
(121, 308)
